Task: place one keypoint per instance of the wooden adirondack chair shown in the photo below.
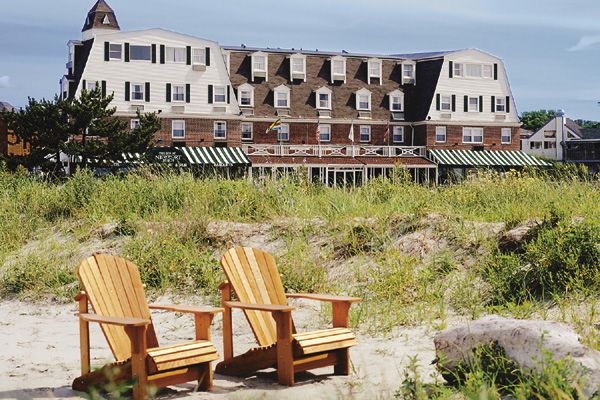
(253, 276)
(113, 287)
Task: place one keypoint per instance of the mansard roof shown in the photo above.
(101, 16)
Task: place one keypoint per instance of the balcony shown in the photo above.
(326, 150)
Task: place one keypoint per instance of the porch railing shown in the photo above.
(332, 150)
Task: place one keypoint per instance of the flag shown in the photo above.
(274, 126)
(318, 133)
(351, 133)
(386, 136)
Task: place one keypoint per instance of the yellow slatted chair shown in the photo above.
(252, 275)
(113, 288)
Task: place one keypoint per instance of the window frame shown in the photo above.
(202, 61)
(110, 52)
(360, 133)
(246, 88)
(281, 89)
(89, 84)
(132, 92)
(219, 87)
(374, 62)
(251, 125)
(173, 93)
(358, 94)
(400, 95)
(215, 125)
(323, 91)
(177, 121)
(133, 46)
(287, 132)
(502, 136)
(461, 70)
(472, 140)
(395, 130)
(438, 130)
(503, 101)
(328, 127)
(449, 102)
(337, 76)
(476, 105)
(412, 79)
(134, 121)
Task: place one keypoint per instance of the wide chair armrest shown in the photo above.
(324, 297)
(258, 307)
(187, 309)
(119, 321)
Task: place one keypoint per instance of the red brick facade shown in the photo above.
(454, 138)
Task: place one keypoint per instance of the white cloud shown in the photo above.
(4, 81)
(586, 42)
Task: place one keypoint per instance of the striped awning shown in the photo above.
(215, 156)
(485, 158)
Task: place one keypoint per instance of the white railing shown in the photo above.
(332, 150)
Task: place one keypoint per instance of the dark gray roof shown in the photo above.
(590, 133)
(5, 106)
(425, 55)
(572, 125)
(96, 15)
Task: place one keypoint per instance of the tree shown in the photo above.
(587, 124)
(534, 120)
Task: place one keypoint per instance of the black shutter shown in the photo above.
(162, 53)
(127, 91)
(126, 52)
(168, 93)
(437, 101)
(480, 103)
(493, 107)
(453, 102)
(210, 94)
(466, 103)
(507, 104)
(189, 55)
(451, 71)
(153, 54)
(188, 93)
(103, 88)
(228, 94)
(106, 51)
(147, 92)
(84, 84)
(495, 72)
(207, 53)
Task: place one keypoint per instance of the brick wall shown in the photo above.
(491, 138)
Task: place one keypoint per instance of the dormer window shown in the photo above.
(298, 67)
(260, 63)
(409, 73)
(282, 97)
(246, 95)
(338, 69)
(396, 101)
(176, 55)
(115, 51)
(363, 100)
(323, 98)
(105, 20)
(374, 70)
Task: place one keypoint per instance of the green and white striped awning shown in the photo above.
(485, 158)
(215, 156)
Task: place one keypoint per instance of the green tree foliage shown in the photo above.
(586, 124)
(534, 120)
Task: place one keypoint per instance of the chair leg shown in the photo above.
(285, 357)
(205, 380)
(342, 366)
(137, 335)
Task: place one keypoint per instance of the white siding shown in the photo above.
(474, 87)
(116, 73)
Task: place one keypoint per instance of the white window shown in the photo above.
(259, 62)
(246, 95)
(178, 129)
(282, 96)
(408, 73)
(440, 134)
(500, 104)
(323, 95)
(363, 100)
(298, 66)
(338, 69)
(458, 69)
(142, 53)
(283, 133)
(115, 51)
(135, 123)
(398, 134)
(176, 54)
(325, 133)
(178, 93)
(506, 136)
(473, 104)
(374, 67)
(472, 135)
(445, 103)
(488, 71)
(396, 101)
(365, 133)
(220, 130)
(246, 130)
(472, 70)
(198, 56)
(91, 86)
(220, 95)
(137, 91)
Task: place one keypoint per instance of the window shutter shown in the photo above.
(210, 94)
(147, 92)
(207, 53)
(127, 91)
(103, 88)
(507, 104)
(189, 55)
(437, 102)
(451, 71)
(106, 51)
(228, 94)
(84, 84)
(126, 52)
(168, 93)
(401, 74)
(188, 93)
(453, 102)
(153, 54)
(466, 103)
(495, 72)
(162, 53)
(480, 103)
(493, 108)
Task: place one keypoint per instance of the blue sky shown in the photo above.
(551, 48)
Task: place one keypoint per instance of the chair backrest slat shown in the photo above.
(255, 280)
(114, 288)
